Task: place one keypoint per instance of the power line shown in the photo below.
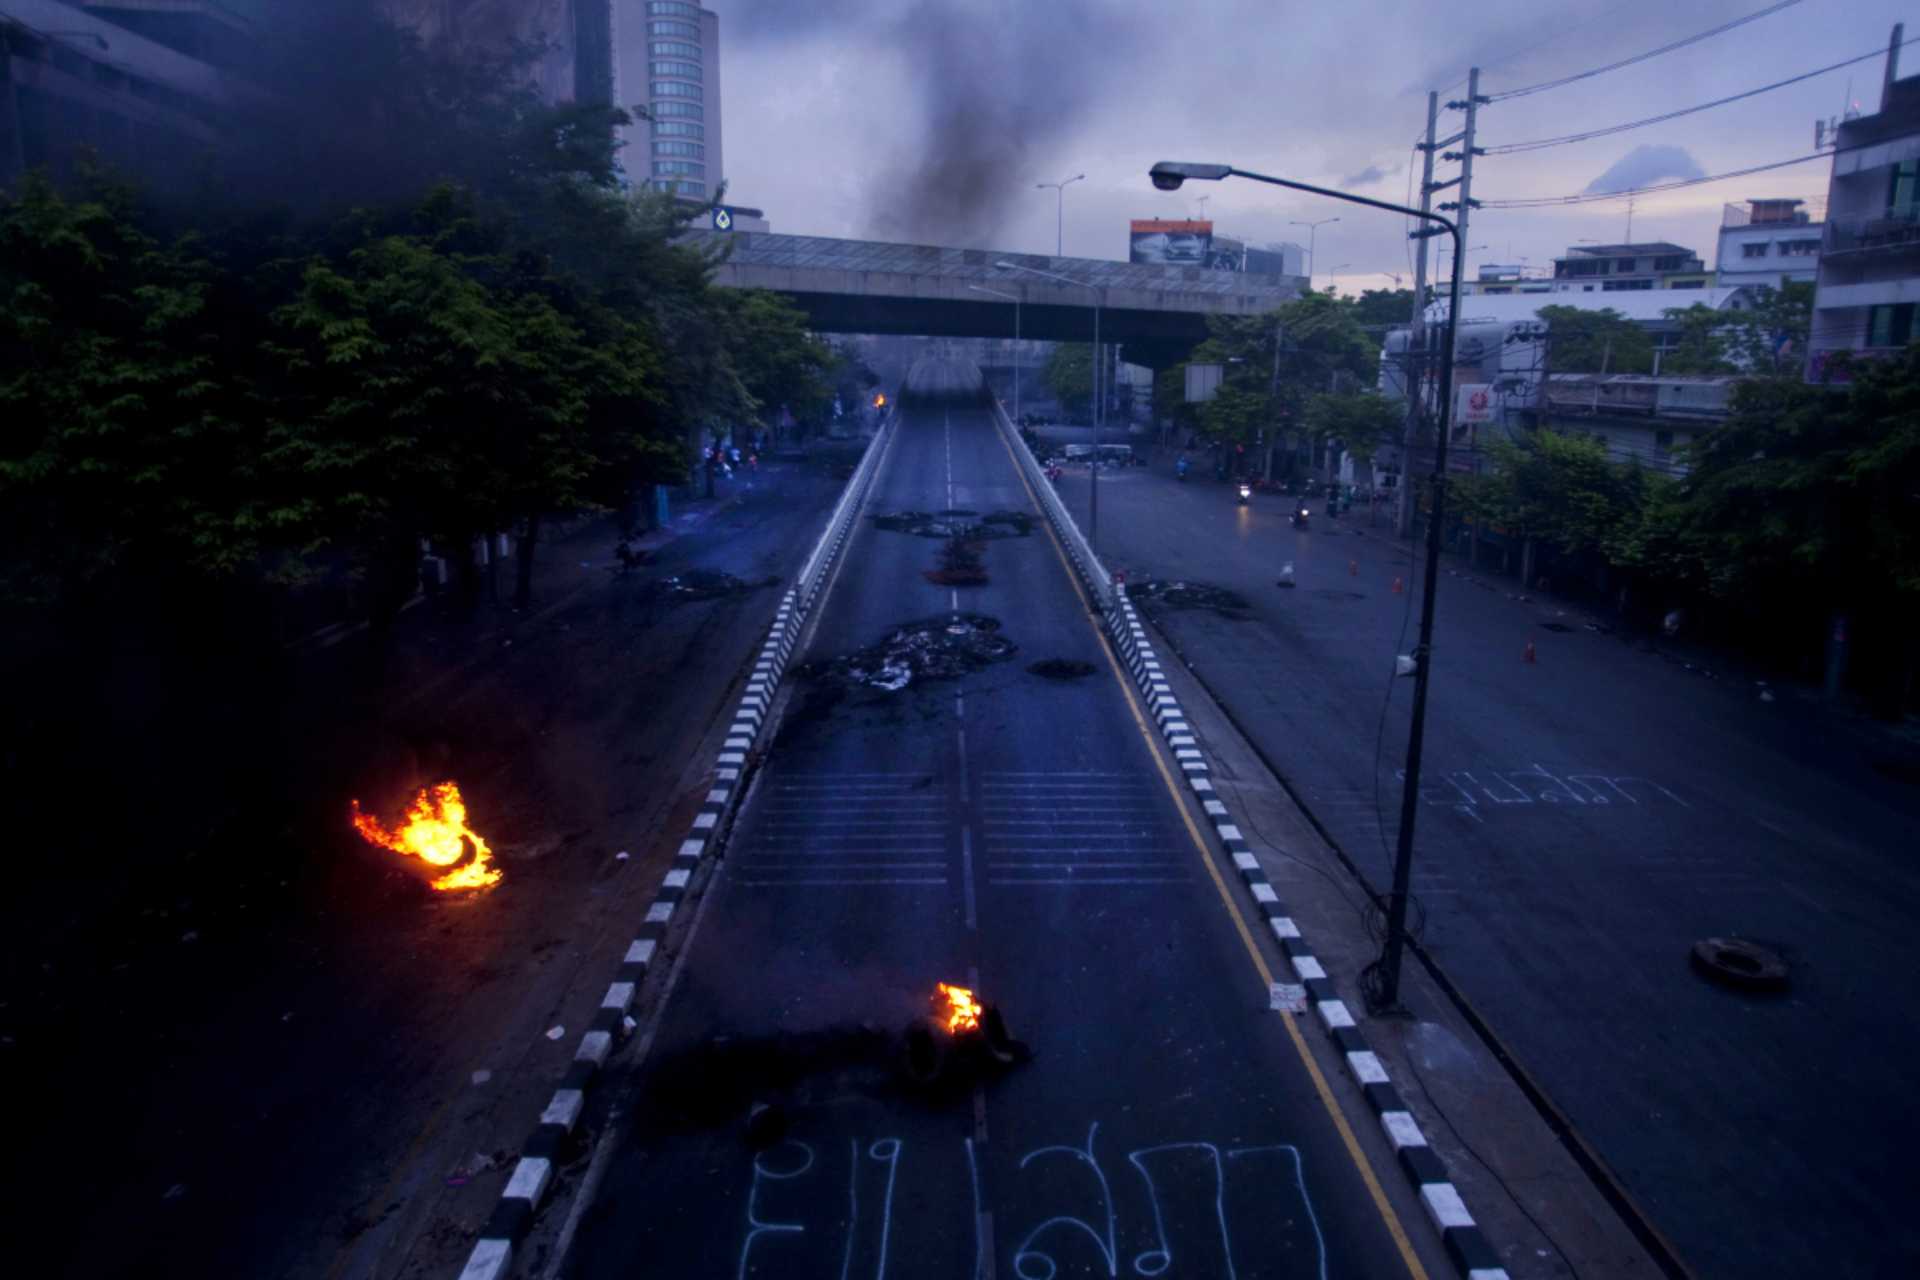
(1642, 57)
(1508, 148)
(1591, 197)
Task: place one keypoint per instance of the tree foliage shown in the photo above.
(470, 328)
(1069, 375)
(1603, 341)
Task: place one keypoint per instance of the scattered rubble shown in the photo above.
(956, 522)
(1190, 595)
(932, 649)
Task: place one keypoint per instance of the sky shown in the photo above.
(932, 121)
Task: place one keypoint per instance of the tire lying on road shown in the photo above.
(1737, 963)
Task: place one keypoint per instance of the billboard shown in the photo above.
(1170, 242)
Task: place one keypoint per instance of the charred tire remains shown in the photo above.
(1737, 963)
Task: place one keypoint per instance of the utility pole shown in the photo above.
(1414, 371)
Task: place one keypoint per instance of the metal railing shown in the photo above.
(1084, 561)
(813, 573)
(1893, 229)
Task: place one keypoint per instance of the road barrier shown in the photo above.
(532, 1177)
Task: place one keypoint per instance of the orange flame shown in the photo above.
(437, 833)
(958, 1007)
(880, 400)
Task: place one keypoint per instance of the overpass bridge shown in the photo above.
(1157, 313)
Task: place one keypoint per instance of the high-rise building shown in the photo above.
(667, 72)
(1867, 294)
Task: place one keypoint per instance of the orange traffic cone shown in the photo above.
(1353, 568)
(1527, 654)
(1398, 587)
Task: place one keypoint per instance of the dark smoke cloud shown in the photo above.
(1002, 87)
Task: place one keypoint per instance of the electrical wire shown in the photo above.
(1510, 148)
(1722, 29)
(1543, 202)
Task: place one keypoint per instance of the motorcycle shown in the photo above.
(1180, 470)
(1054, 473)
(1300, 516)
(1246, 493)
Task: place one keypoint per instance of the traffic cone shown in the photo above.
(1527, 654)
(1353, 568)
(1398, 587)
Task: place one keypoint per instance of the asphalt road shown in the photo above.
(1584, 819)
(1008, 832)
(285, 1085)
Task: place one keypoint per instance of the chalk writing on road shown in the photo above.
(1473, 793)
(1180, 1205)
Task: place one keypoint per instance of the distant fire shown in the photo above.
(436, 832)
(957, 1008)
(879, 400)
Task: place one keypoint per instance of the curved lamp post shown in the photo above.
(1168, 176)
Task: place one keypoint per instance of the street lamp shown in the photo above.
(1014, 298)
(1313, 230)
(1099, 405)
(1060, 206)
(1167, 176)
(1335, 273)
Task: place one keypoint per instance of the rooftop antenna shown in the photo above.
(1630, 200)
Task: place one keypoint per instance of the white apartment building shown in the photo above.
(1768, 242)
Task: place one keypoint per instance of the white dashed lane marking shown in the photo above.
(853, 829)
(1075, 829)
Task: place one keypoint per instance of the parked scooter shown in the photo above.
(1300, 516)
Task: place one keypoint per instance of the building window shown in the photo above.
(691, 188)
(674, 49)
(1671, 262)
(691, 150)
(1890, 326)
(1799, 248)
(678, 169)
(686, 29)
(674, 89)
(678, 129)
(684, 70)
(691, 110)
(1663, 441)
(1615, 286)
(1903, 195)
(672, 9)
(1624, 265)
(1754, 249)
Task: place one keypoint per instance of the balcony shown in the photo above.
(1895, 229)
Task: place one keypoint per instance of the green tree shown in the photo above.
(125, 446)
(1603, 341)
(1769, 338)
(1069, 375)
(778, 361)
(1701, 349)
(1381, 309)
(1360, 422)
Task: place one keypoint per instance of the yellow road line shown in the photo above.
(1154, 748)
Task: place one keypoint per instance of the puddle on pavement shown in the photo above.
(968, 526)
(1170, 594)
(932, 649)
(1062, 668)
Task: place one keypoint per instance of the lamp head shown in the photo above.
(1169, 174)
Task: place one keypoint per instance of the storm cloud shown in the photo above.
(1645, 165)
(1371, 174)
